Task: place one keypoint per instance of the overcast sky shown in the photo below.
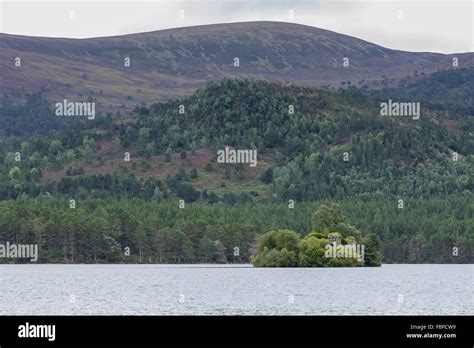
(445, 26)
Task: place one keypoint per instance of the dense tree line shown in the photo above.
(99, 230)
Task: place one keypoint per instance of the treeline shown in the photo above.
(319, 177)
(438, 230)
(105, 186)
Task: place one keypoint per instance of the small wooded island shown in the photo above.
(332, 243)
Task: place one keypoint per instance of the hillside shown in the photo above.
(300, 155)
(173, 63)
(394, 177)
(451, 90)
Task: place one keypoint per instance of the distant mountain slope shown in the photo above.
(453, 89)
(174, 62)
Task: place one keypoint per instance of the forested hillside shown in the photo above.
(28, 115)
(451, 90)
(408, 181)
(334, 145)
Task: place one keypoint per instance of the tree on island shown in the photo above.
(332, 243)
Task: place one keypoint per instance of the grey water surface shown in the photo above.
(235, 290)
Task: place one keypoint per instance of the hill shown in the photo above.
(75, 193)
(312, 143)
(173, 63)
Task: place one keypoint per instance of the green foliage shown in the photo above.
(267, 176)
(286, 239)
(276, 258)
(325, 219)
(168, 155)
(373, 256)
(450, 89)
(419, 233)
(302, 152)
(278, 248)
(187, 192)
(31, 116)
(283, 248)
(312, 252)
(384, 157)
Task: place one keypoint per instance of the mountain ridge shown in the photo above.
(223, 24)
(172, 63)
